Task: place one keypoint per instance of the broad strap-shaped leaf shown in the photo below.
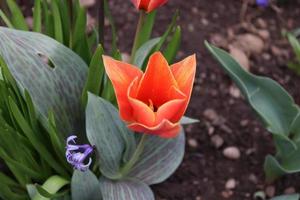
(288, 164)
(287, 197)
(109, 134)
(160, 158)
(85, 186)
(270, 101)
(53, 75)
(125, 189)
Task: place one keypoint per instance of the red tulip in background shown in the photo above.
(153, 102)
(148, 5)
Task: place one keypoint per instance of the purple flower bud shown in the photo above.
(77, 154)
(262, 3)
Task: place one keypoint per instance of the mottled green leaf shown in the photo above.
(85, 186)
(109, 134)
(160, 158)
(53, 75)
(125, 189)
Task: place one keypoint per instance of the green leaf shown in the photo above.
(37, 16)
(160, 158)
(295, 45)
(48, 19)
(287, 197)
(41, 149)
(65, 20)
(168, 31)
(109, 134)
(186, 120)
(113, 27)
(125, 189)
(171, 51)
(271, 102)
(57, 75)
(50, 188)
(17, 17)
(85, 186)
(58, 32)
(95, 75)
(276, 109)
(144, 52)
(80, 43)
(6, 19)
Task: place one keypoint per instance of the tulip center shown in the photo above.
(152, 106)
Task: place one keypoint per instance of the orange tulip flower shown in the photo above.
(148, 5)
(153, 102)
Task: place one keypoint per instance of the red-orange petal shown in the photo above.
(153, 4)
(157, 81)
(165, 129)
(184, 73)
(121, 75)
(171, 110)
(141, 112)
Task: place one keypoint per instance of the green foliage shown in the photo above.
(129, 163)
(66, 24)
(287, 197)
(295, 44)
(34, 160)
(276, 109)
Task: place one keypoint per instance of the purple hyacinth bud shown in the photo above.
(77, 155)
(262, 3)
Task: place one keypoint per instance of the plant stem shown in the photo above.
(135, 157)
(136, 42)
(101, 17)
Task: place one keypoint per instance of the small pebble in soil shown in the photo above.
(261, 23)
(244, 122)
(193, 143)
(290, 190)
(230, 184)
(264, 34)
(234, 92)
(217, 141)
(232, 153)
(240, 56)
(227, 194)
(210, 114)
(198, 198)
(270, 191)
(253, 178)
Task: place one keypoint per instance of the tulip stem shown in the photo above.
(136, 43)
(135, 157)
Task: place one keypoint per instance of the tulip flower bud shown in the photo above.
(148, 5)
